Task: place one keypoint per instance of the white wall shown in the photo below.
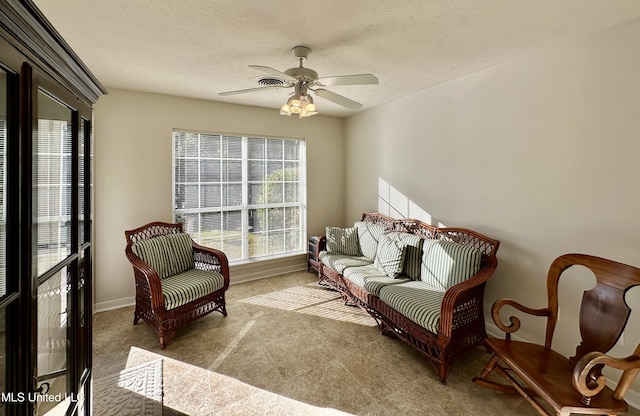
(133, 168)
(540, 153)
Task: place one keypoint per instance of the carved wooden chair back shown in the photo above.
(603, 312)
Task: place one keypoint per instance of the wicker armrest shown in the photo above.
(321, 243)
(148, 276)
(457, 309)
(207, 258)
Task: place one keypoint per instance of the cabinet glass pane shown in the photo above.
(3, 183)
(52, 182)
(81, 182)
(3, 357)
(53, 321)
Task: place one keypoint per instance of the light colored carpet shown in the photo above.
(131, 392)
(265, 360)
(312, 299)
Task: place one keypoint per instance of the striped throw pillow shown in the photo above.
(180, 252)
(154, 252)
(368, 236)
(342, 241)
(168, 254)
(413, 253)
(446, 263)
(390, 256)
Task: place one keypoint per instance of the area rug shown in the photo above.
(133, 391)
(315, 300)
(195, 391)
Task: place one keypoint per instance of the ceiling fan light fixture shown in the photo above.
(285, 110)
(309, 108)
(299, 103)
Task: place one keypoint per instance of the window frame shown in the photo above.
(246, 206)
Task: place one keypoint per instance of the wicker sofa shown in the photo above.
(425, 284)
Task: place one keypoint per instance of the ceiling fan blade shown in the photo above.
(359, 79)
(250, 90)
(338, 99)
(274, 72)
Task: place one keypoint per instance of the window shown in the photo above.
(243, 195)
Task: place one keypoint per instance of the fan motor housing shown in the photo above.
(302, 74)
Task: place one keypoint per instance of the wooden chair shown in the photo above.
(177, 280)
(570, 385)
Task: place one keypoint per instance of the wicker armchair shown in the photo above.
(177, 280)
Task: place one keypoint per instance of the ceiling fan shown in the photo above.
(304, 80)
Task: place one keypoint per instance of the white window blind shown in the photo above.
(52, 185)
(243, 195)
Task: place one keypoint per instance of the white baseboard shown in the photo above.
(632, 397)
(114, 304)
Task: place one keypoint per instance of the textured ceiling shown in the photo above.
(198, 48)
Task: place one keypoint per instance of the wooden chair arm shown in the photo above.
(589, 381)
(514, 321)
(208, 258)
(145, 274)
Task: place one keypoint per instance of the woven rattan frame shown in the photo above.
(462, 324)
(149, 301)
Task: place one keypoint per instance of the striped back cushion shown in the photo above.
(342, 241)
(446, 263)
(167, 254)
(390, 256)
(181, 252)
(413, 253)
(368, 236)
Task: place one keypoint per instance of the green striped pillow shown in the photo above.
(446, 263)
(390, 256)
(180, 252)
(413, 253)
(342, 241)
(368, 236)
(167, 255)
(154, 253)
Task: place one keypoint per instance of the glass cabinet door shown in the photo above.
(3, 235)
(56, 241)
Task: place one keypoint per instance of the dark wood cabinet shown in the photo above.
(46, 104)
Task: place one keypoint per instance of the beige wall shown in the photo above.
(133, 168)
(540, 153)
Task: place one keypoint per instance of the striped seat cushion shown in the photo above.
(180, 289)
(368, 236)
(446, 263)
(167, 254)
(415, 300)
(340, 262)
(371, 279)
